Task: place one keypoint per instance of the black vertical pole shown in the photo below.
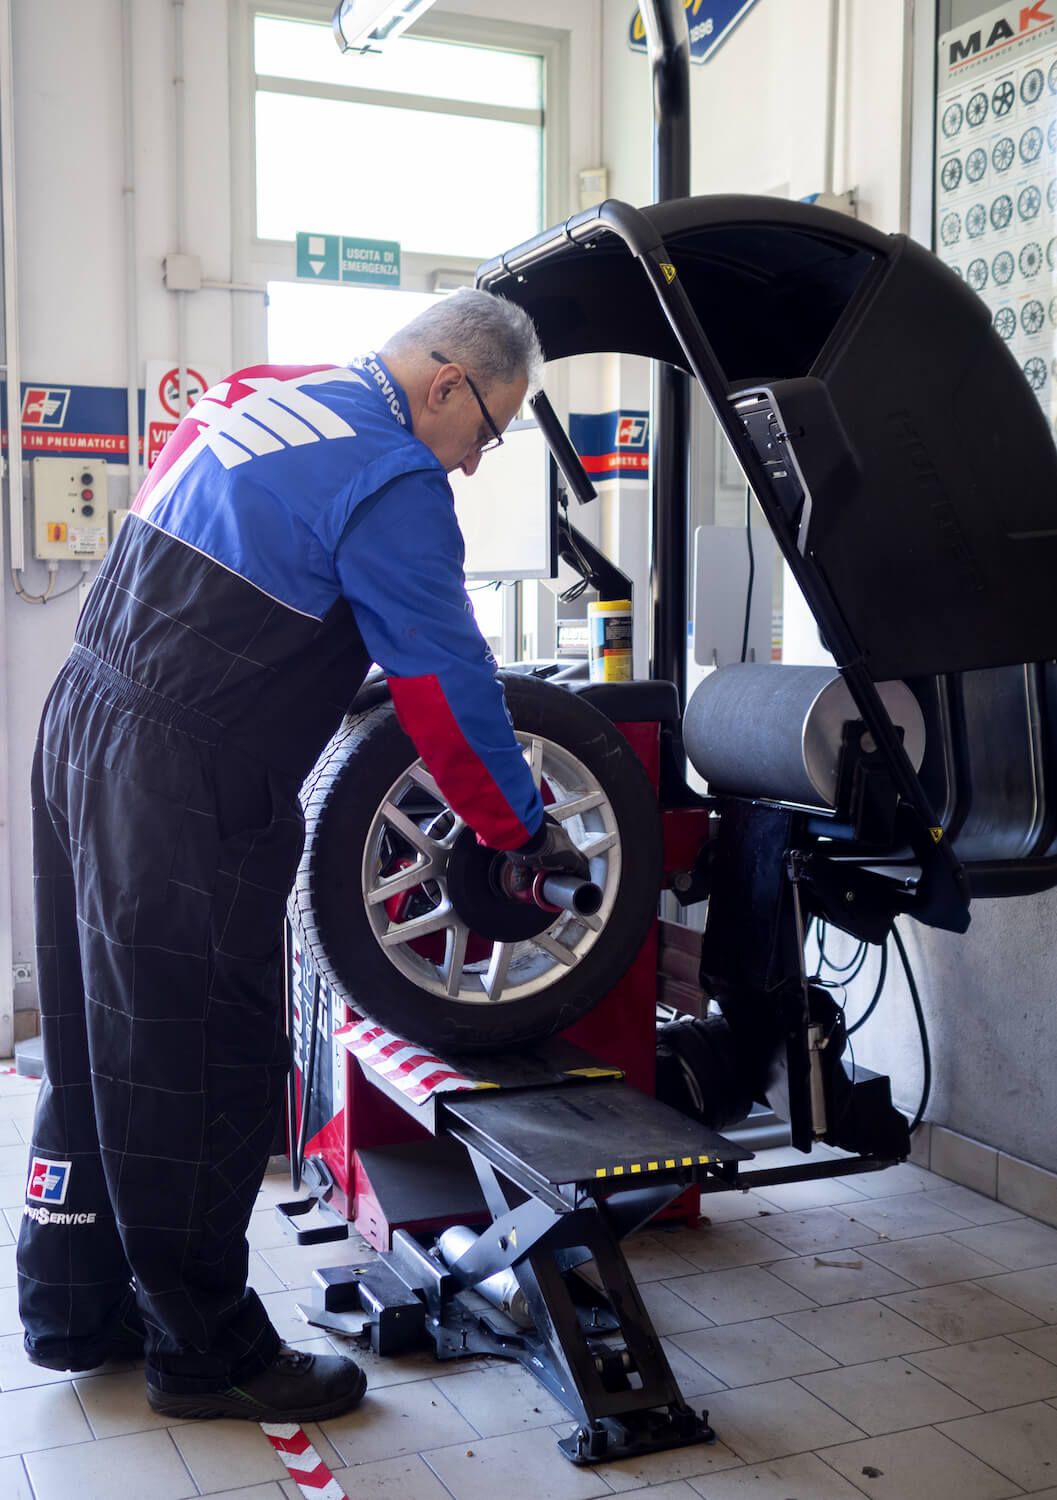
(668, 39)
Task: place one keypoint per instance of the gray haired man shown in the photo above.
(297, 526)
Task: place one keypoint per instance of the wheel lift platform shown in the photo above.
(568, 1160)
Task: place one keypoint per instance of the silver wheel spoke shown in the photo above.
(455, 957)
(421, 777)
(398, 819)
(556, 950)
(598, 845)
(535, 760)
(406, 880)
(498, 966)
(575, 805)
(407, 932)
(594, 924)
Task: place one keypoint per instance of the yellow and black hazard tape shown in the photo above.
(653, 1166)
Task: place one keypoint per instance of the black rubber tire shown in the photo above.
(340, 800)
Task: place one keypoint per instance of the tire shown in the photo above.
(424, 989)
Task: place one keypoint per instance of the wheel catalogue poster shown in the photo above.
(996, 177)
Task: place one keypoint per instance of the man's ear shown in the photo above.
(445, 383)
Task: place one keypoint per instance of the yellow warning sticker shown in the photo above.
(636, 1167)
(600, 1171)
(668, 271)
(670, 1162)
(937, 834)
(594, 1072)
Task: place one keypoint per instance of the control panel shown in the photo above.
(70, 509)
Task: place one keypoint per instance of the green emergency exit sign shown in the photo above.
(343, 258)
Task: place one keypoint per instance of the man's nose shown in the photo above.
(469, 465)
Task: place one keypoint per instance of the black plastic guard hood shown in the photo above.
(940, 545)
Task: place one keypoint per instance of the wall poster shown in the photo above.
(996, 177)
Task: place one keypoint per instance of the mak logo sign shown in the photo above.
(1016, 23)
(45, 405)
(710, 23)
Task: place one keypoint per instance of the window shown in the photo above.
(435, 144)
(453, 144)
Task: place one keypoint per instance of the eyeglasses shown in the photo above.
(496, 440)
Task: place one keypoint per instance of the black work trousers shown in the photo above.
(163, 858)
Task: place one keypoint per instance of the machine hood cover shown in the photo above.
(939, 544)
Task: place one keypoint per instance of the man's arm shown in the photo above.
(400, 563)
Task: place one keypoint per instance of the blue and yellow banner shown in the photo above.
(710, 22)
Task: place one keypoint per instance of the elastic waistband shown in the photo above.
(124, 691)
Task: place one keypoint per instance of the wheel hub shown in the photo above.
(478, 903)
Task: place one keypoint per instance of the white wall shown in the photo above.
(72, 265)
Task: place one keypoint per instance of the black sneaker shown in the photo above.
(296, 1387)
(124, 1342)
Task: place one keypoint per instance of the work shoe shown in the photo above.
(296, 1387)
(123, 1342)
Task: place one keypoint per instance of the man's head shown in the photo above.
(466, 364)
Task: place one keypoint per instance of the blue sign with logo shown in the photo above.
(710, 23)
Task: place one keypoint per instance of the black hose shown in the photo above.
(926, 1053)
(878, 991)
(752, 574)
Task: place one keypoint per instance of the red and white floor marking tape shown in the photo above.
(416, 1073)
(307, 1469)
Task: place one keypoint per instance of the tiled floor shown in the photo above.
(892, 1336)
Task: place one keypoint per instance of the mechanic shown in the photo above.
(298, 525)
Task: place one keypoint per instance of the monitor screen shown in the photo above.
(506, 509)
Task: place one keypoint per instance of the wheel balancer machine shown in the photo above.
(881, 425)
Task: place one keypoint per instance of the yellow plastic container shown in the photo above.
(609, 640)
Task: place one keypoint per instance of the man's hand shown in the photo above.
(550, 851)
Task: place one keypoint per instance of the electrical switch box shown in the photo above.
(70, 509)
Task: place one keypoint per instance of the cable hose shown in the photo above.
(878, 991)
(926, 1053)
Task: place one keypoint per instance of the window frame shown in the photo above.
(256, 261)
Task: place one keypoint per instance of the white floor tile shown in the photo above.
(919, 1465)
(724, 1246)
(675, 1489)
(7, 1265)
(796, 1197)
(854, 1333)
(722, 1208)
(887, 1396)
(839, 1276)
(893, 1182)
(1019, 1245)
(146, 1462)
(294, 1264)
(48, 1416)
(399, 1419)
(991, 1373)
(693, 1379)
(772, 1421)
(1041, 1341)
(913, 1214)
(1020, 1443)
(13, 1188)
(273, 1491)
(737, 1295)
(264, 1232)
(407, 1478)
(117, 1404)
(961, 1311)
(752, 1353)
(669, 1313)
(802, 1475)
(1034, 1291)
(974, 1207)
(931, 1260)
(653, 1257)
(526, 1464)
(14, 1481)
(817, 1230)
(652, 1469)
(260, 1275)
(502, 1398)
(10, 1322)
(227, 1455)
(16, 1372)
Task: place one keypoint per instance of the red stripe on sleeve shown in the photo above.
(461, 774)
